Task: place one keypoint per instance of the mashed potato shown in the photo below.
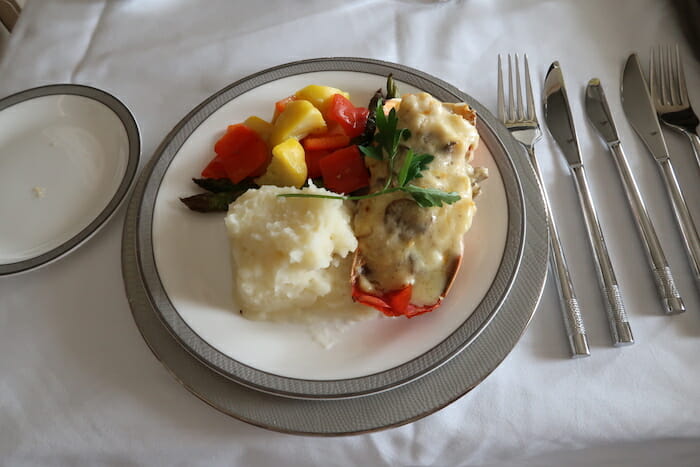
(292, 256)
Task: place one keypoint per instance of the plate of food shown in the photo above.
(340, 239)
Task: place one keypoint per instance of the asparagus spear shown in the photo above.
(222, 192)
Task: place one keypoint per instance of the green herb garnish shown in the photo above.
(386, 147)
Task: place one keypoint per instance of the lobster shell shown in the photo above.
(396, 302)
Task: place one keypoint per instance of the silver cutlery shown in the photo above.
(670, 94)
(599, 114)
(636, 101)
(560, 122)
(523, 125)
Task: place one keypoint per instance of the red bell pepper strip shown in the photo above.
(352, 119)
(241, 153)
(344, 170)
(325, 142)
(313, 159)
(333, 138)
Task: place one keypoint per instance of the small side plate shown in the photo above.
(68, 155)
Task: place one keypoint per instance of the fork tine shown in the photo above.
(674, 90)
(501, 100)
(662, 75)
(682, 89)
(511, 104)
(519, 95)
(652, 77)
(670, 76)
(528, 89)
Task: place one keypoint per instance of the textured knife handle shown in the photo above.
(666, 287)
(670, 298)
(620, 329)
(576, 331)
(573, 316)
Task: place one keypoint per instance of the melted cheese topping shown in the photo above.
(402, 243)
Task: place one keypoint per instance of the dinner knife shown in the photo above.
(560, 122)
(636, 101)
(599, 114)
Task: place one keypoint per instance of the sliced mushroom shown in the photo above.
(407, 219)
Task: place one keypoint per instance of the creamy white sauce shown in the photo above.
(402, 243)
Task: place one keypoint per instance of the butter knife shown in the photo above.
(561, 126)
(599, 114)
(641, 114)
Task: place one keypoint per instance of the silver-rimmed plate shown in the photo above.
(385, 409)
(183, 256)
(68, 155)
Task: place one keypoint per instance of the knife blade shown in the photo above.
(636, 101)
(638, 106)
(558, 116)
(599, 114)
(561, 125)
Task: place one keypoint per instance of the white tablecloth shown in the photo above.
(78, 385)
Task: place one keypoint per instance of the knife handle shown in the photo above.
(665, 284)
(620, 329)
(571, 313)
(683, 217)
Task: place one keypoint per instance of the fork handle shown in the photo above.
(683, 217)
(571, 313)
(695, 143)
(620, 329)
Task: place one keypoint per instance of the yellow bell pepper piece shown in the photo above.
(319, 96)
(288, 165)
(298, 119)
(260, 126)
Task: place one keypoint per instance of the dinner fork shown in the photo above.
(670, 94)
(523, 125)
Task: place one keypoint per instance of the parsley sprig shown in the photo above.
(387, 142)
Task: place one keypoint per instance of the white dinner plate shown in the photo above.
(68, 155)
(184, 256)
(377, 410)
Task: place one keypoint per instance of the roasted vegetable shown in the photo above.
(288, 165)
(211, 202)
(319, 96)
(352, 119)
(333, 138)
(298, 119)
(260, 126)
(392, 91)
(240, 153)
(366, 138)
(313, 159)
(222, 192)
(344, 170)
